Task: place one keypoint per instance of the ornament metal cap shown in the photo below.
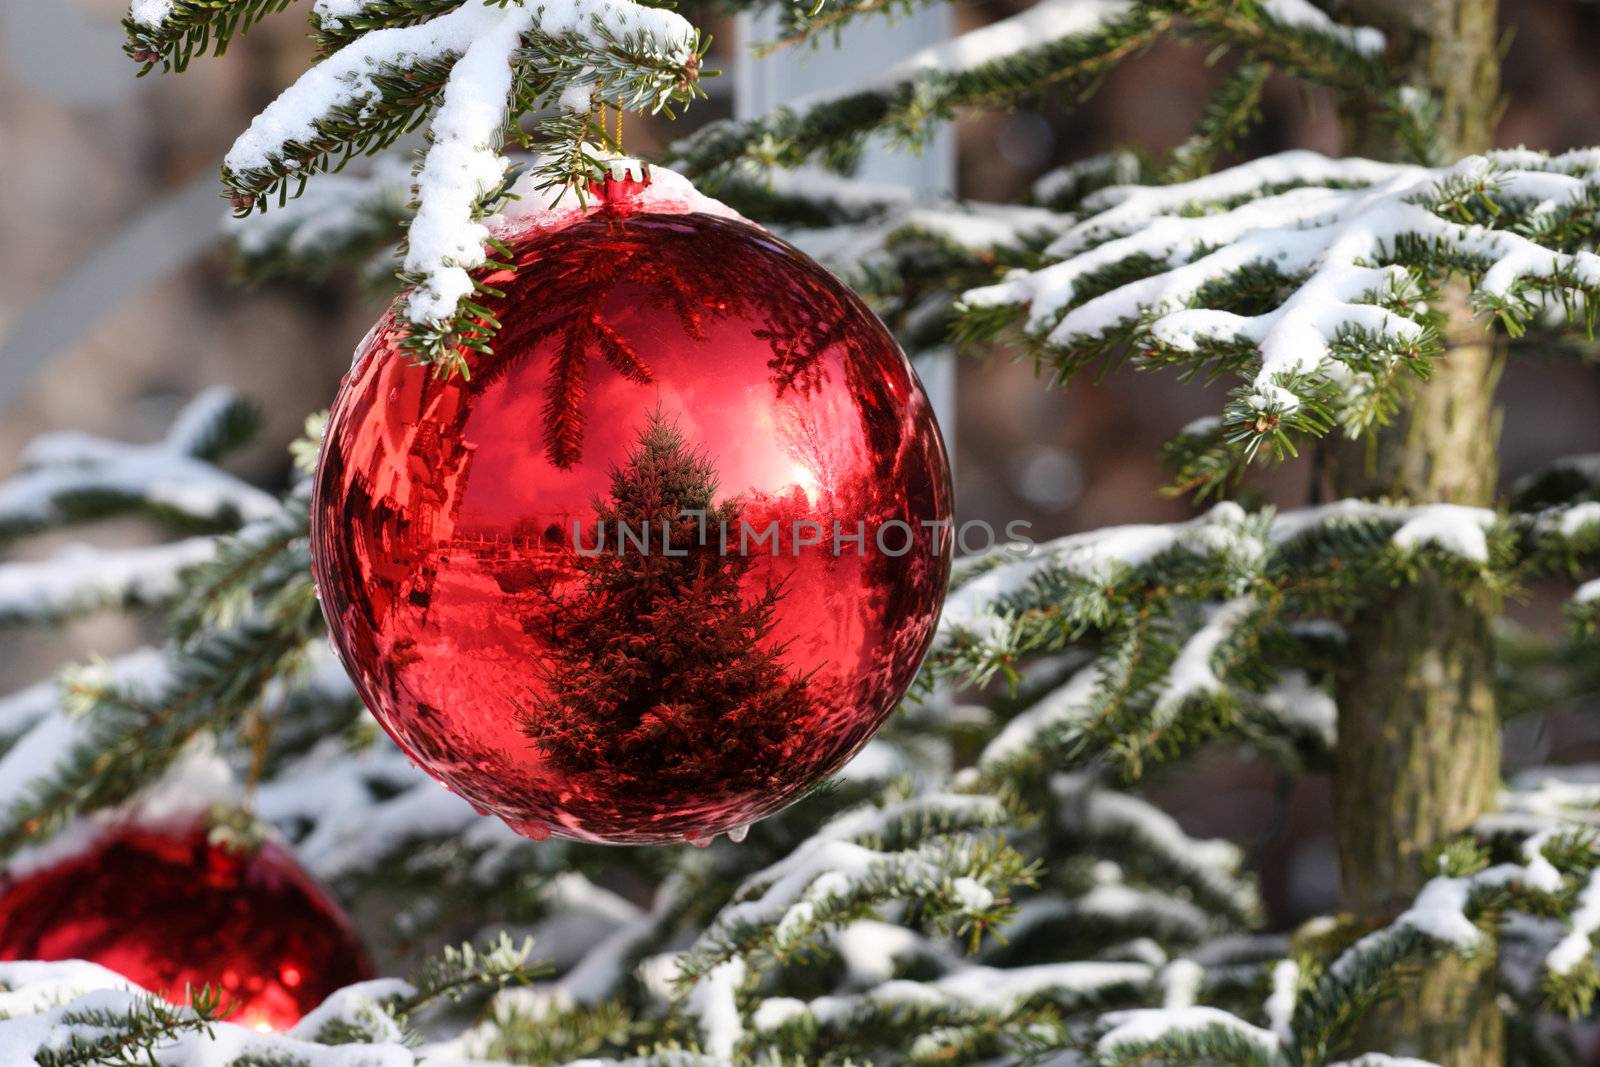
(618, 183)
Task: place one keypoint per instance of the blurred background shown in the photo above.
(118, 304)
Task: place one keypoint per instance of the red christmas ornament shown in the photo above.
(174, 911)
(666, 559)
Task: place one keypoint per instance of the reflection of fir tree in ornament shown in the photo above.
(660, 670)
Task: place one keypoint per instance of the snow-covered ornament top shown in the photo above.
(622, 185)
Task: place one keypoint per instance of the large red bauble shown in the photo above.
(647, 363)
(174, 911)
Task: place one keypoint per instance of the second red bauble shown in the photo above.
(557, 583)
(173, 910)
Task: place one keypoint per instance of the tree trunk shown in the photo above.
(1418, 755)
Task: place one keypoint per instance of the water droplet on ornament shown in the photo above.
(739, 833)
(699, 840)
(532, 829)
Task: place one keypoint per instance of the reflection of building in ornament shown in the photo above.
(417, 482)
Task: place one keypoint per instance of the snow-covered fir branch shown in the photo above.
(72, 477)
(477, 67)
(80, 579)
(1053, 42)
(1347, 257)
(1196, 626)
(77, 1014)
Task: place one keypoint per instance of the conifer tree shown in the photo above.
(988, 882)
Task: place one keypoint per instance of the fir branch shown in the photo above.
(128, 1036)
(177, 32)
(967, 1012)
(389, 80)
(69, 477)
(1233, 108)
(957, 880)
(335, 27)
(1294, 35)
(926, 88)
(340, 221)
(79, 580)
(125, 736)
(1314, 292)
(253, 564)
(457, 971)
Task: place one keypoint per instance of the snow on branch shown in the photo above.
(1293, 34)
(926, 849)
(478, 66)
(69, 477)
(1150, 842)
(340, 220)
(1053, 42)
(1311, 278)
(122, 732)
(80, 579)
(916, 1015)
(172, 32)
(1449, 914)
(61, 1014)
(1192, 624)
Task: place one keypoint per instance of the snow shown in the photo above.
(713, 1004)
(1455, 529)
(1439, 913)
(150, 13)
(80, 577)
(1587, 592)
(1193, 672)
(185, 792)
(1142, 1026)
(988, 989)
(1085, 808)
(462, 167)
(1449, 527)
(463, 162)
(1573, 520)
(144, 668)
(1180, 983)
(1302, 14)
(1330, 237)
(332, 207)
(1280, 1004)
(1303, 706)
(870, 950)
(57, 467)
(1578, 944)
(978, 605)
(1048, 20)
(1059, 708)
(1122, 167)
(361, 1002)
(973, 896)
(669, 193)
(345, 79)
(1440, 909)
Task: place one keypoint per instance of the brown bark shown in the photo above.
(1419, 735)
